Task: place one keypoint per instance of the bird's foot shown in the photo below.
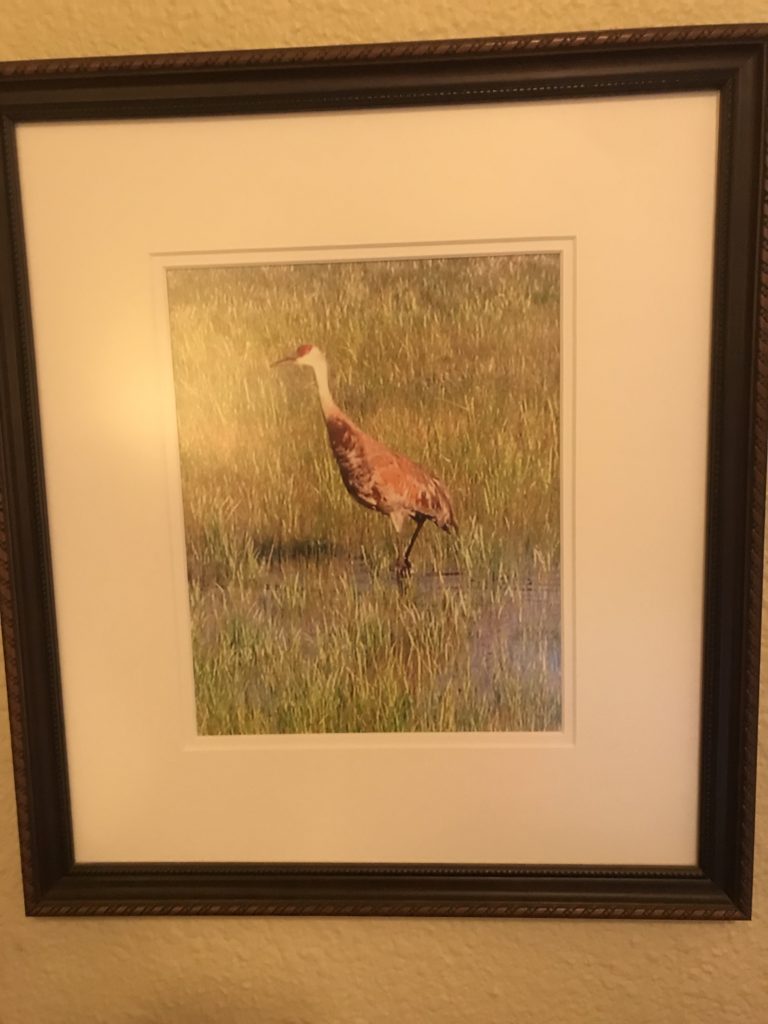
(403, 568)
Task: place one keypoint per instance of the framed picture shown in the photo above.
(383, 468)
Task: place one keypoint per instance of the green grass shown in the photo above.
(298, 625)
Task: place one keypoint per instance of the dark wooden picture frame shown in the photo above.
(730, 60)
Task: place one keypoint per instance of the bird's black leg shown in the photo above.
(404, 564)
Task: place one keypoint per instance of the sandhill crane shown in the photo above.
(374, 475)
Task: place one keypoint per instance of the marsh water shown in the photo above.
(439, 651)
(522, 630)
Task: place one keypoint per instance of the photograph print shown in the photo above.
(370, 469)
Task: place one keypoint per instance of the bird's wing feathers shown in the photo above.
(409, 486)
(406, 486)
(384, 480)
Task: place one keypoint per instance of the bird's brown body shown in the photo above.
(386, 481)
(375, 476)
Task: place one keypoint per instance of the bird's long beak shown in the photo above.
(288, 359)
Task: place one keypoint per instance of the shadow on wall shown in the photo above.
(215, 1006)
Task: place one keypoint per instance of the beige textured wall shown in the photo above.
(213, 970)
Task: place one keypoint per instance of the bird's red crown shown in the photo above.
(303, 350)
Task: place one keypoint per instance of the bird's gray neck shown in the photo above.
(327, 403)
